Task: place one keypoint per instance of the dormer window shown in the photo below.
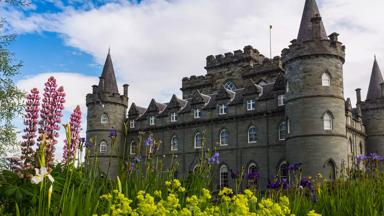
(132, 124)
(251, 105)
(230, 85)
(196, 113)
(104, 118)
(223, 109)
(173, 117)
(152, 120)
(280, 100)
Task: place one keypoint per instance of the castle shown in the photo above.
(258, 113)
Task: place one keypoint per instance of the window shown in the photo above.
(174, 146)
(196, 113)
(288, 126)
(331, 169)
(287, 87)
(252, 174)
(103, 147)
(133, 148)
(282, 131)
(230, 86)
(104, 118)
(152, 120)
(327, 119)
(280, 100)
(223, 109)
(325, 79)
(251, 105)
(252, 135)
(223, 176)
(132, 124)
(283, 170)
(224, 137)
(350, 145)
(252, 168)
(197, 140)
(361, 148)
(173, 117)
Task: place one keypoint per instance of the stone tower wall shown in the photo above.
(373, 118)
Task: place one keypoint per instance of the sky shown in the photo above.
(155, 43)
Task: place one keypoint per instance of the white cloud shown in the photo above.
(156, 43)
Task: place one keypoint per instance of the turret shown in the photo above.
(315, 105)
(106, 114)
(373, 112)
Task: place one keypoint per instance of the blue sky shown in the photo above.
(155, 43)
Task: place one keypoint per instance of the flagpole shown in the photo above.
(270, 41)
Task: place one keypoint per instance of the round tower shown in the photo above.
(373, 112)
(105, 121)
(315, 105)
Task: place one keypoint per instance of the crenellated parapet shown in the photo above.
(331, 47)
(247, 56)
(101, 98)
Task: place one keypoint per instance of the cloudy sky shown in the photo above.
(155, 43)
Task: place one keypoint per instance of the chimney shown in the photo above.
(358, 95)
(101, 84)
(125, 86)
(316, 31)
(94, 89)
(382, 89)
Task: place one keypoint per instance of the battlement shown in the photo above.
(246, 55)
(101, 98)
(331, 47)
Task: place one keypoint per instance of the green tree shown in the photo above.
(11, 97)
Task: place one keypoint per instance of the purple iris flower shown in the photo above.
(113, 133)
(295, 166)
(214, 159)
(253, 175)
(148, 141)
(235, 174)
(306, 183)
(278, 184)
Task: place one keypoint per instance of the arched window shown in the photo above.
(197, 140)
(283, 171)
(224, 137)
(350, 145)
(104, 118)
(195, 168)
(133, 148)
(327, 120)
(282, 130)
(331, 168)
(325, 79)
(174, 145)
(252, 134)
(103, 147)
(223, 176)
(253, 174)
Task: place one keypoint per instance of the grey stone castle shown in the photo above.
(258, 113)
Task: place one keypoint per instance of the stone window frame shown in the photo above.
(361, 148)
(197, 134)
(174, 143)
(327, 118)
(331, 163)
(226, 138)
(197, 113)
(326, 79)
(283, 123)
(223, 176)
(283, 172)
(251, 104)
(104, 118)
(249, 140)
(133, 148)
(132, 124)
(280, 100)
(223, 109)
(256, 168)
(230, 85)
(173, 117)
(103, 147)
(152, 120)
(350, 142)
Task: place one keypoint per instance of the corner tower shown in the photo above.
(373, 112)
(315, 105)
(106, 112)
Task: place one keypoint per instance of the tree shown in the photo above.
(11, 97)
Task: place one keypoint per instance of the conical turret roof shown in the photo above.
(305, 32)
(108, 74)
(374, 89)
